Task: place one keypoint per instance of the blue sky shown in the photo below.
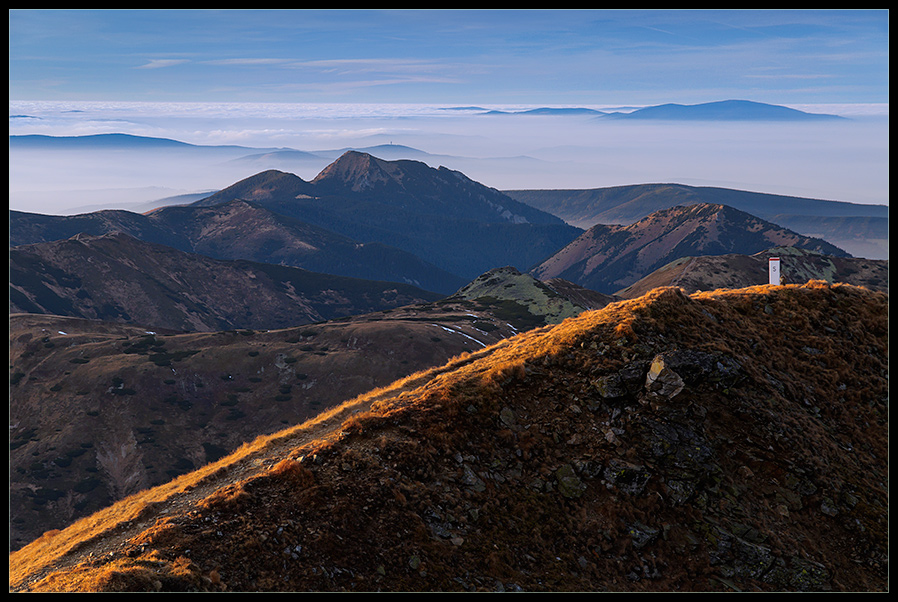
(591, 57)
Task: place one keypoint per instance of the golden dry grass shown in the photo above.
(474, 378)
(134, 509)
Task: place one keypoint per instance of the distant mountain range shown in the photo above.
(858, 228)
(725, 110)
(403, 221)
(109, 141)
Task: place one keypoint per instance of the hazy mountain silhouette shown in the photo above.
(724, 110)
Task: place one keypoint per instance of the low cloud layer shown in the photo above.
(846, 160)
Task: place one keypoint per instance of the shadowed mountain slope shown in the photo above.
(243, 230)
(609, 258)
(439, 215)
(119, 278)
(666, 443)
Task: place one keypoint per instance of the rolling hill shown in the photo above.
(665, 443)
(609, 258)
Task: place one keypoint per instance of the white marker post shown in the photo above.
(773, 265)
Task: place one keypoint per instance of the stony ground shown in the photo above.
(735, 441)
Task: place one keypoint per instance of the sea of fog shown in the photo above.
(845, 160)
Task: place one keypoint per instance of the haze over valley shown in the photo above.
(845, 160)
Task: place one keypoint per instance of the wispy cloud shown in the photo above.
(162, 63)
(510, 55)
(352, 66)
(248, 62)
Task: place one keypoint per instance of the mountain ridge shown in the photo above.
(440, 215)
(118, 277)
(734, 271)
(625, 204)
(858, 228)
(243, 230)
(81, 387)
(618, 451)
(610, 258)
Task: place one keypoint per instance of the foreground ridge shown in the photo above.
(734, 440)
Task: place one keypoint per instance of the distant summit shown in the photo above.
(609, 258)
(438, 214)
(725, 110)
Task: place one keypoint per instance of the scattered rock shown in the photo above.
(569, 484)
(661, 381)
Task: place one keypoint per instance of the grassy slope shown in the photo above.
(510, 468)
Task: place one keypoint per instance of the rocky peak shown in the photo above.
(358, 172)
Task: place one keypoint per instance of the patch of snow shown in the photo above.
(467, 336)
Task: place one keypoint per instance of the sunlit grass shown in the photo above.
(467, 379)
